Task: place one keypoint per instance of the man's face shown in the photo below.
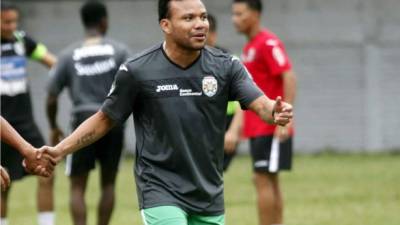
(188, 24)
(243, 17)
(9, 23)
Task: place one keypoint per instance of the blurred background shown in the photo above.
(346, 54)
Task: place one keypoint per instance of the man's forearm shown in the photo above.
(10, 136)
(263, 107)
(237, 121)
(289, 86)
(87, 133)
(49, 60)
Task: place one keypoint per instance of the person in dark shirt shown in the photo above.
(87, 68)
(178, 93)
(16, 107)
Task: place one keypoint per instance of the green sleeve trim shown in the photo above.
(232, 106)
(39, 52)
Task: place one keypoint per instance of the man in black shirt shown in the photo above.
(178, 92)
(87, 68)
(16, 107)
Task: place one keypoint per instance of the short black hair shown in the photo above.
(8, 6)
(163, 9)
(253, 4)
(92, 13)
(213, 22)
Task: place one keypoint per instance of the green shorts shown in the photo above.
(172, 215)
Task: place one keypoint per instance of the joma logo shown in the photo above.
(168, 87)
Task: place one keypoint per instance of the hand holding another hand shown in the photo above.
(39, 162)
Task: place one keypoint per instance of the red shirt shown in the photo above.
(265, 58)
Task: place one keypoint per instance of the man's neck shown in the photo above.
(93, 33)
(180, 56)
(253, 31)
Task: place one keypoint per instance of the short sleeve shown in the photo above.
(34, 50)
(30, 43)
(59, 77)
(275, 57)
(120, 101)
(242, 88)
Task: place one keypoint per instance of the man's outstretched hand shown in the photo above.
(283, 112)
(42, 166)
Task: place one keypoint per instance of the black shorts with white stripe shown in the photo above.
(270, 155)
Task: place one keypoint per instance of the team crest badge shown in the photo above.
(210, 86)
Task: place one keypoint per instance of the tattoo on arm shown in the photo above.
(87, 138)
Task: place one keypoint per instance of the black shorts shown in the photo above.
(270, 155)
(11, 159)
(106, 150)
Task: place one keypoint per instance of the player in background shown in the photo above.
(271, 146)
(16, 107)
(178, 93)
(234, 113)
(87, 68)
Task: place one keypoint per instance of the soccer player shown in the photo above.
(234, 113)
(87, 68)
(271, 147)
(16, 107)
(178, 93)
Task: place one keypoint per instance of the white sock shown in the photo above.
(3, 221)
(45, 218)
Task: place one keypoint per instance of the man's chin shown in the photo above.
(197, 47)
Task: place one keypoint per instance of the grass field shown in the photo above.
(323, 189)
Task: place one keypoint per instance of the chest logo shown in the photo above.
(168, 87)
(210, 86)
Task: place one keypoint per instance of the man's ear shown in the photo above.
(165, 25)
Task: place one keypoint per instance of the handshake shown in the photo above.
(41, 161)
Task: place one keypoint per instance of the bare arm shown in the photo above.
(56, 134)
(88, 132)
(263, 107)
(289, 86)
(4, 179)
(232, 135)
(51, 110)
(10, 136)
(48, 60)
(237, 122)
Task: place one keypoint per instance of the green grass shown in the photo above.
(323, 189)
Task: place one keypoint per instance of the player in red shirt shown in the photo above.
(271, 147)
